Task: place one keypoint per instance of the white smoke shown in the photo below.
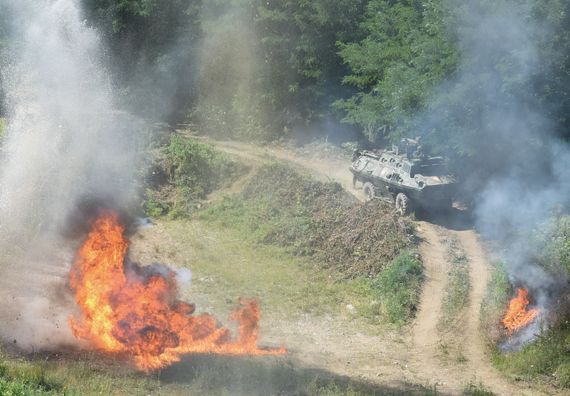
(511, 134)
(65, 143)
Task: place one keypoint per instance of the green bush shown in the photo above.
(553, 241)
(186, 172)
(397, 289)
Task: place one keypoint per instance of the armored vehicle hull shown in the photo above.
(408, 181)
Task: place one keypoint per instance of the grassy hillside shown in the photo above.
(281, 206)
(342, 237)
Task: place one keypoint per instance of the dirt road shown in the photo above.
(413, 356)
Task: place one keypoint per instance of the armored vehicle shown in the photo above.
(405, 177)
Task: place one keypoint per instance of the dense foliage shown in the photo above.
(262, 70)
(405, 54)
(183, 174)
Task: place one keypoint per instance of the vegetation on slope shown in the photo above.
(312, 218)
(547, 358)
(348, 239)
(183, 174)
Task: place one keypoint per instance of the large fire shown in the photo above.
(518, 316)
(135, 310)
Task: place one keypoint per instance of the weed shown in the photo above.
(472, 389)
(495, 302)
(398, 288)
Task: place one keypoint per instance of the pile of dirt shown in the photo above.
(282, 206)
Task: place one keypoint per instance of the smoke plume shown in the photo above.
(65, 143)
(521, 166)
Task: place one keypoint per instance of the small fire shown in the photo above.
(135, 310)
(518, 316)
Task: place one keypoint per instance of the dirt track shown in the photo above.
(413, 358)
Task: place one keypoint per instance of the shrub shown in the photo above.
(553, 241)
(398, 288)
(184, 173)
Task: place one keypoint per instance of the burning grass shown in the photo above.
(134, 310)
(518, 314)
(546, 359)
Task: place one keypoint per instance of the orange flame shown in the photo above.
(136, 310)
(518, 316)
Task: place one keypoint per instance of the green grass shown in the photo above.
(546, 359)
(87, 374)
(497, 295)
(354, 246)
(456, 295)
(28, 380)
(41, 376)
(396, 290)
(479, 389)
(226, 265)
(2, 128)
(455, 300)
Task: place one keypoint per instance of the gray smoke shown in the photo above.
(65, 143)
(510, 134)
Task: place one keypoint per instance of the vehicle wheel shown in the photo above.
(403, 204)
(369, 191)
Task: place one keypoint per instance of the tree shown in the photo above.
(406, 53)
(302, 72)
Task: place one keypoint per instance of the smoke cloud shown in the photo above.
(65, 144)
(509, 131)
